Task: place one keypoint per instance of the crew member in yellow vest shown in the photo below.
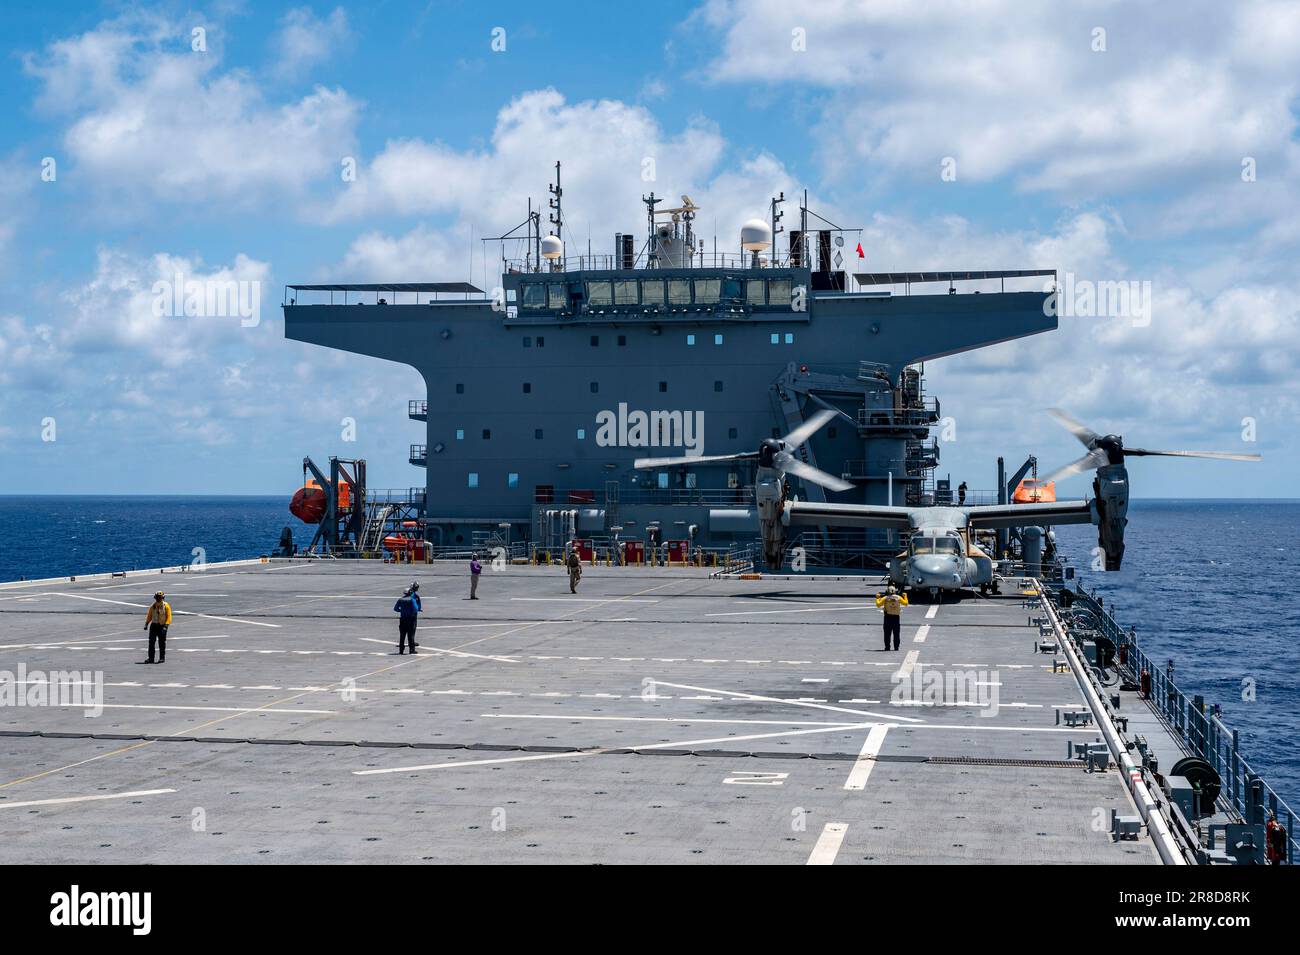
(156, 621)
(892, 603)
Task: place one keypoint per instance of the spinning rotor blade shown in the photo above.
(1218, 455)
(689, 461)
(1086, 436)
(788, 463)
(1090, 461)
(806, 430)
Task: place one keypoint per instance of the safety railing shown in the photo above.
(1202, 732)
(417, 408)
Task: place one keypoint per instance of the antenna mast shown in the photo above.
(557, 193)
(776, 217)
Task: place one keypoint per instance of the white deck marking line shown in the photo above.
(909, 663)
(121, 638)
(67, 799)
(454, 653)
(778, 699)
(922, 632)
(754, 613)
(867, 758)
(814, 679)
(185, 613)
(929, 614)
(150, 593)
(828, 844)
(597, 751)
(171, 706)
(594, 600)
(657, 719)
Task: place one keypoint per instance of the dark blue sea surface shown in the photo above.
(1209, 584)
(59, 536)
(1212, 586)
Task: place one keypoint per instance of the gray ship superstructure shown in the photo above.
(541, 394)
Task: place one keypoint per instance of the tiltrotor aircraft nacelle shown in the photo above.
(1110, 490)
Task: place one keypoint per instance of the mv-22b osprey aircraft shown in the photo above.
(941, 555)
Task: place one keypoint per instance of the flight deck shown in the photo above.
(660, 715)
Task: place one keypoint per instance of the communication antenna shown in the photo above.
(650, 202)
(776, 218)
(557, 193)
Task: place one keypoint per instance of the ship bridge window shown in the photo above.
(708, 291)
(534, 295)
(778, 292)
(598, 293)
(625, 292)
(756, 292)
(732, 289)
(557, 296)
(936, 545)
(679, 291)
(652, 292)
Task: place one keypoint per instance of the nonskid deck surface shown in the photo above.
(766, 723)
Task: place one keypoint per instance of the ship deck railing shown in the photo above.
(615, 262)
(568, 498)
(1201, 733)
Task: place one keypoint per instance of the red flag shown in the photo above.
(861, 254)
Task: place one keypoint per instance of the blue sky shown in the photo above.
(1117, 156)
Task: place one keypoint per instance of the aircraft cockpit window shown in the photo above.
(936, 545)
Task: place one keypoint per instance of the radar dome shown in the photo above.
(552, 247)
(755, 235)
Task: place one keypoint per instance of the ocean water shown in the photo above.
(59, 536)
(1212, 586)
(1208, 584)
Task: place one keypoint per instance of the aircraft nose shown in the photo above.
(935, 571)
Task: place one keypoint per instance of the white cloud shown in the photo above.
(149, 117)
(1017, 90)
(605, 146)
(306, 40)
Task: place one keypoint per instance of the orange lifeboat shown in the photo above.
(1031, 491)
(310, 500)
